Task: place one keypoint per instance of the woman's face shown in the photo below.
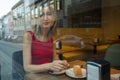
(47, 18)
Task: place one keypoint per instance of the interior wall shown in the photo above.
(110, 24)
(87, 34)
(111, 19)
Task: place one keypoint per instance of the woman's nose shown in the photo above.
(45, 17)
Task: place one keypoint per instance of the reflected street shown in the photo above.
(6, 50)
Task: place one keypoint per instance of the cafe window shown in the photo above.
(85, 14)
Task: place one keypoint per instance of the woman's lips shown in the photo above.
(46, 23)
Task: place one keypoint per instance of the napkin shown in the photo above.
(115, 76)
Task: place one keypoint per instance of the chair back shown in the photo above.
(0, 72)
(113, 55)
(17, 65)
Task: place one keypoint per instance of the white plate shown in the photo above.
(57, 73)
(70, 73)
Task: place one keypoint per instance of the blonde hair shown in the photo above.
(52, 30)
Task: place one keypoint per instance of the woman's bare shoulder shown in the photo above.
(27, 35)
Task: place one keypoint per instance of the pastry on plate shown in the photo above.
(77, 70)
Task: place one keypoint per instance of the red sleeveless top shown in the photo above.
(42, 52)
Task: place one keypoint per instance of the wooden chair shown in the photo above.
(113, 55)
(17, 65)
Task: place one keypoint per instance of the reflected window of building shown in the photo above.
(32, 13)
(40, 10)
(36, 13)
(52, 3)
(27, 16)
(45, 3)
(59, 4)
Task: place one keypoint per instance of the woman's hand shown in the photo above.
(59, 65)
(66, 64)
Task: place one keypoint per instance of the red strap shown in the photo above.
(32, 34)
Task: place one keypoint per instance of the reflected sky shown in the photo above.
(6, 5)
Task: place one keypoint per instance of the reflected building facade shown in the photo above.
(18, 18)
(70, 13)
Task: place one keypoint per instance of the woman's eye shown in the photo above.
(49, 13)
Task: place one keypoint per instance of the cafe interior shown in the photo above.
(92, 28)
(92, 33)
(88, 36)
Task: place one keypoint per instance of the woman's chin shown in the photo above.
(46, 26)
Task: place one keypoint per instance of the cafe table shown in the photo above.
(47, 76)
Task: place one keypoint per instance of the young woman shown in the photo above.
(38, 54)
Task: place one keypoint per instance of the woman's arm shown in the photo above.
(56, 65)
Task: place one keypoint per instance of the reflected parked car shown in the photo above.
(8, 37)
(5, 37)
(14, 37)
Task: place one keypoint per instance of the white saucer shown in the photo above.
(57, 73)
(70, 73)
(115, 76)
